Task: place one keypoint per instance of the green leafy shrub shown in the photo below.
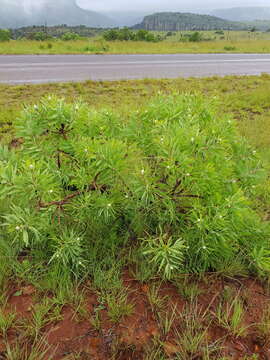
(195, 37)
(39, 36)
(4, 35)
(229, 48)
(110, 35)
(141, 35)
(68, 36)
(126, 34)
(175, 178)
(166, 253)
(96, 47)
(144, 35)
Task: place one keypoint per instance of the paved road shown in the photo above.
(19, 69)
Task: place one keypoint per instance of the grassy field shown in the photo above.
(232, 42)
(246, 97)
(123, 312)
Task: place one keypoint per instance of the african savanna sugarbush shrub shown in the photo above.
(174, 179)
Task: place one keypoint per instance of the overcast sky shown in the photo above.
(143, 5)
(156, 5)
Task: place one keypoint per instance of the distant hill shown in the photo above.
(52, 12)
(261, 25)
(243, 13)
(172, 21)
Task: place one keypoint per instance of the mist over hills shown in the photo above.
(50, 12)
(15, 13)
(243, 13)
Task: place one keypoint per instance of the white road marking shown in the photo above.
(49, 64)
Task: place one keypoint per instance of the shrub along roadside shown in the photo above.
(126, 34)
(70, 36)
(4, 35)
(174, 181)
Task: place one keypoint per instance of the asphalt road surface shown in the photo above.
(20, 69)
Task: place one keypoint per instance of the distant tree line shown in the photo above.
(67, 33)
(64, 32)
(42, 36)
(48, 32)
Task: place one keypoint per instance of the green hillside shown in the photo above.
(170, 21)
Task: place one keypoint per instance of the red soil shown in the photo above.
(74, 334)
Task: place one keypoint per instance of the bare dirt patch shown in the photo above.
(138, 334)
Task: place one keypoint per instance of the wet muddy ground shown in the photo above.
(164, 322)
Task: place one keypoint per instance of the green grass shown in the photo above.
(231, 41)
(230, 316)
(245, 97)
(193, 338)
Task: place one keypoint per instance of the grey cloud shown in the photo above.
(137, 5)
(162, 5)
